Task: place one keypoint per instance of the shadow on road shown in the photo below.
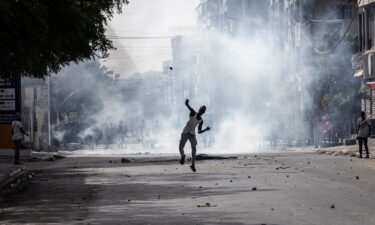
(110, 194)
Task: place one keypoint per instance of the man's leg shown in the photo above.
(183, 141)
(193, 142)
(17, 152)
(360, 141)
(366, 147)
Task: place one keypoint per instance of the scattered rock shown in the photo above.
(332, 206)
(249, 177)
(283, 167)
(206, 205)
(254, 188)
(125, 160)
(357, 177)
(110, 161)
(212, 157)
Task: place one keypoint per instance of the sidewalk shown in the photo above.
(9, 173)
(346, 150)
(13, 177)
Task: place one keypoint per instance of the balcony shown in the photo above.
(364, 3)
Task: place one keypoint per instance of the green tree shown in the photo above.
(41, 36)
(337, 92)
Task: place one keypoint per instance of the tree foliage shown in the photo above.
(41, 36)
(337, 92)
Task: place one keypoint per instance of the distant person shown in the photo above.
(111, 134)
(363, 134)
(17, 136)
(122, 131)
(274, 126)
(195, 119)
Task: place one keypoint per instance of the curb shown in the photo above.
(10, 178)
(350, 153)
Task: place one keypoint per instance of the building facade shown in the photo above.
(315, 33)
(364, 60)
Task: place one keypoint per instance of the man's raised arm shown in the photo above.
(192, 111)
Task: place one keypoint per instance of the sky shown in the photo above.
(148, 18)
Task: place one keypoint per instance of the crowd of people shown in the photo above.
(107, 135)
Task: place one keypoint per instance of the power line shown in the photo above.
(331, 14)
(139, 37)
(139, 32)
(137, 56)
(143, 50)
(345, 33)
(324, 19)
(135, 47)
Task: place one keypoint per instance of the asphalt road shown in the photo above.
(277, 189)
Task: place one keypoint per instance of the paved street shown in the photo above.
(277, 189)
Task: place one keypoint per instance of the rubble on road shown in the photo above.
(211, 157)
(15, 182)
(125, 160)
(206, 205)
(342, 152)
(43, 157)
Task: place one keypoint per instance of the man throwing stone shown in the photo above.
(195, 119)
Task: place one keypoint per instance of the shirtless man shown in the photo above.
(195, 119)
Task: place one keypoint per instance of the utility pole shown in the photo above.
(49, 109)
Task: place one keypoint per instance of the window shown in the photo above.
(346, 11)
(333, 33)
(349, 10)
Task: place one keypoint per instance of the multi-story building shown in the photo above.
(231, 16)
(208, 15)
(314, 30)
(185, 71)
(364, 60)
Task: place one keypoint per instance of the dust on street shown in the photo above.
(278, 189)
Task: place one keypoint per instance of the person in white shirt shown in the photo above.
(363, 134)
(17, 135)
(188, 133)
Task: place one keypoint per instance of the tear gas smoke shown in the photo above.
(252, 101)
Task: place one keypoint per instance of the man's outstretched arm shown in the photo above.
(23, 131)
(200, 128)
(192, 111)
